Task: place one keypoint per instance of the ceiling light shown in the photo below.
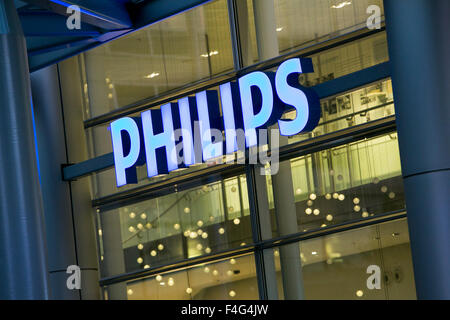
(212, 53)
(341, 5)
(279, 29)
(152, 75)
(314, 253)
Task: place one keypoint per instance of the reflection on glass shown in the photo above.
(335, 266)
(353, 181)
(352, 108)
(182, 49)
(302, 23)
(177, 226)
(229, 279)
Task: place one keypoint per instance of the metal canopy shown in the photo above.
(50, 41)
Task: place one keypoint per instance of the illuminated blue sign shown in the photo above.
(257, 100)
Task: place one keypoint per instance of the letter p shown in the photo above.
(126, 147)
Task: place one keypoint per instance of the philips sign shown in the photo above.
(257, 100)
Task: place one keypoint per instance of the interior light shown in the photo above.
(328, 196)
(146, 266)
(158, 278)
(232, 293)
(229, 273)
(148, 225)
(314, 253)
(359, 293)
(143, 216)
(153, 253)
(140, 226)
(170, 282)
(308, 211)
(356, 200)
(279, 29)
(193, 235)
(215, 273)
(236, 221)
(204, 235)
(233, 261)
(176, 226)
(152, 75)
(140, 260)
(341, 197)
(221, 230)
(298, 191)
(160, 247)
(312, 196)
(130, 292)
(199, 247)
(212, 53)
(187, 210)
(341, 5)
(357, 208)
(199, 223)
(140, 246)
(316, 212)
(329, 217)
(206, 270)
(132, 215)
(208, 250)
(189, 290)
(131, 229)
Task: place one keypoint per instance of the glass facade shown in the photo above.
(193, 234)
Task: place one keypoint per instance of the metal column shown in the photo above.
(23, 264)
(419, 48)
(283, 190)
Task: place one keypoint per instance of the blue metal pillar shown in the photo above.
(23, 269)
(419, 48)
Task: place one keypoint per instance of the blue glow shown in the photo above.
(210, 150)
(154, 141)
(124, 162)
(291, 96)
(62, 3)
(252, 121)
(228, 117)
(35, 141)
(186, 126)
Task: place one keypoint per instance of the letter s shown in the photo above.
(304, 100)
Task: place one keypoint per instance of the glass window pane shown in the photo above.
(174, 227)
(335, 266)
(302, 23)
(354, 181)
(182, 49)
(229, 279)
